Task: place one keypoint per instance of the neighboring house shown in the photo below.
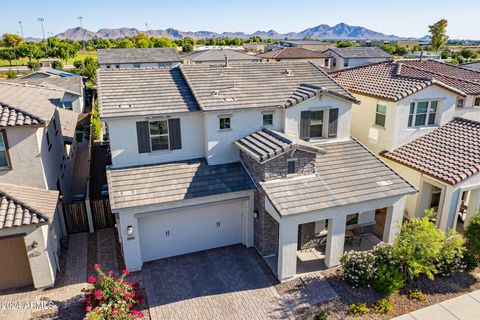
(218, 56)
(251, 153)
(407, 44)
(46, 72)
(397, 104)
(356, 56)
(444, 165)
(475, 66)
(297, 53)
(308, 44)
(256, 47)
(135, 58)
(30, 234)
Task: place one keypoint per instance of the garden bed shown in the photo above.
(437, 290)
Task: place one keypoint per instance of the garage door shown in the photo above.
(14, 263)
(189, 230)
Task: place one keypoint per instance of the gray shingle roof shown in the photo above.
(21, 205)
(73, 85)
(253, 85)
(450, 153)
(141, 92)
(265, 144)
(161, 183)
(346, 174)
(137, 55)
(218, 55)
(360, 52)
(474, 66)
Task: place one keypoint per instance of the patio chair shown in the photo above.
(357, 236)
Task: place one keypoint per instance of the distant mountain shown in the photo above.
(340, 31)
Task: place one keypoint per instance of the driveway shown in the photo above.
(223, 283)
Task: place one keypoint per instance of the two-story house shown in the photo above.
(33, 172)
(127, 58)
(343, 58)
(218, 56)
(297, 53)
(253, 153)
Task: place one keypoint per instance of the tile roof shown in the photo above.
(141, 92)
(293, 53)
(73, 85)
(10, 117)
(137, 55)
(254, 85)
(161, 183)
(21, 205)
(347, 174)
(475, 66)
(360, 52)
(218, 55)
(266, 144)
(450, 153)
(68, 123)
(307, 91)
(386, 80)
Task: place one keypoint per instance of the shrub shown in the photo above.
(451, 257)
(383, 306)
(57, 64)
(359, 268)
(472, 234)
(358, 309)
(11, 74)
(110, 298)
(470, 261)
(96, 123)
(33, 65)
(384, 254)
(322, 315)
(416, 294)
(389, 279)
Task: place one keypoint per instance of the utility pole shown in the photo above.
(146, 25)
(21, 28)
(41, 20)
(81, 27)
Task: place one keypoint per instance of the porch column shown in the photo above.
(445, 216)
(393, 221)
(287, 250)
(335, 240)
(473, 205)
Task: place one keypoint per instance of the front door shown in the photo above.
(14, 264)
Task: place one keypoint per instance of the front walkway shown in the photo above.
(464, 307)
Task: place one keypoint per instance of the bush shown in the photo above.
(451, 257)
(322, 315)
(57, 64)
(383, 306)
(444, 55)
(358, 309)
(109, 298)
(472, 234)
(470, 262)
(34, 65)
(359, 268)
(389, 279)
(11, 74)
(385, 254)
(96, 123)
(416, 294)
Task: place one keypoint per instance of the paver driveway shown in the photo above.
(223, 283)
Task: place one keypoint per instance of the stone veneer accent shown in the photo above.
(265, 226)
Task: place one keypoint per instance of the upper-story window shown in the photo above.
(136, 65)
(477, 102)
(380, 115)
(159, 135)
(422, 113)
(4, 164)
(326, 63)
(291, 166)
(224, 123)
(334, 62)
(67, 105)
(346, 62)
(460, 102)
(319, 124)
(267, 119)
(316, 124)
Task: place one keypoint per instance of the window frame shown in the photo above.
(458, 104)
(226, 119)
(3, 136)
(67, 102)
(413, 114)
(268, 114)
(476, 102)
(317, 122)
(158, 135)
(346, 62)
(136, 65)
(381, 114)
(295, 169)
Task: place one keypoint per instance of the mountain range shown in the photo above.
(341, 31)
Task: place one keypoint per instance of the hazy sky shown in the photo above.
(407, 18)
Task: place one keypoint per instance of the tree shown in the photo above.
(8, 54)
(467, 54)
(438, 30)
(65, 51)
(140, 36)
(388, 48)
(187, 47)
(103, 44)
(472, 233)
(444, 55)
(30, 50)
(57, 65)
(163, 42)
(33, 65)
(12, 40)
(126, 43)
(143, 43)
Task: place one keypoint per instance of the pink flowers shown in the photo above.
(137, 313)
(91, 279)
(126, 272)
(98, 294)
(96, 267)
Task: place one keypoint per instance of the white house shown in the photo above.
(356, 56)
(128, 58)
(254, 153)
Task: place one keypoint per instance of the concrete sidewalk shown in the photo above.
(464, 307)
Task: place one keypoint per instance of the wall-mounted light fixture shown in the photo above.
(255, 214)
(130, 231)
(35, 247)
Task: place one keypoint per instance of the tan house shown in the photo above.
(297, 53)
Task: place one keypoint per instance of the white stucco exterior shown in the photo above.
(338, 62)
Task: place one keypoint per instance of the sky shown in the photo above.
(405, 18)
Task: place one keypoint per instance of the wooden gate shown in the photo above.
(101, 214)
(75, 217)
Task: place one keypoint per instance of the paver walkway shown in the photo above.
(464, 307)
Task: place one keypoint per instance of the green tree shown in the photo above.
(472, 234)
(30, 50)
(96, 123)
(438, 30)
(467, 54)
(444, 55)
(388, 48)
(7, 54)
(12, 40)
(65, 51)
(126, 43)
(33, 65)
(103, 44)
(57, 65)
(143, 43)
(163, 42)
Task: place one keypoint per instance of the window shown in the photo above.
(159, 135)
(326, 63)
(334, 62)
(48, 141)
(422, 113)
(117, 66)
(352, 219)
(316, 124)
(346, 61)
(460, 102)
(381, 115)
(3, 152)
(136, 65)
(477, 102)
(267, 119)
(291, 168)
(67, 105)
(224, 123)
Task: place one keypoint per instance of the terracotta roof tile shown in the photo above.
(10, 116)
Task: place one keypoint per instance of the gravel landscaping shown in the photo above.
(436, 291)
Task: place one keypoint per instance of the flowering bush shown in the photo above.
(111, 298)
(359, 268)
(383, 306)
(451, 256)
(358, 309)
(416, 294)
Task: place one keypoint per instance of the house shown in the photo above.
(30, 235)
(138, 58)
(398, 105)
(47, 72)
(444, 166)
(475, 66)
(255, 47)
(356, 56)
(218, 56)
(308, 44)
(297, 53)
(410, 45)
(252, 153)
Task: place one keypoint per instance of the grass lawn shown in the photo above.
(24, 61)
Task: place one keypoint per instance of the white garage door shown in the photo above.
(189, 230)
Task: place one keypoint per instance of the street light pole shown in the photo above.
(21, 28)
(41, 19)
(81, 27)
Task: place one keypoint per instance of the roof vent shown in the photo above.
(216, 93)
(127, 193)
(124, 106)
(384, 183)
(230, 99)
(288, 72)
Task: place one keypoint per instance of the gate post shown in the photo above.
(88, 208)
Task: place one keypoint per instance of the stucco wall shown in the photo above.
(130, 65)
(353, 62)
